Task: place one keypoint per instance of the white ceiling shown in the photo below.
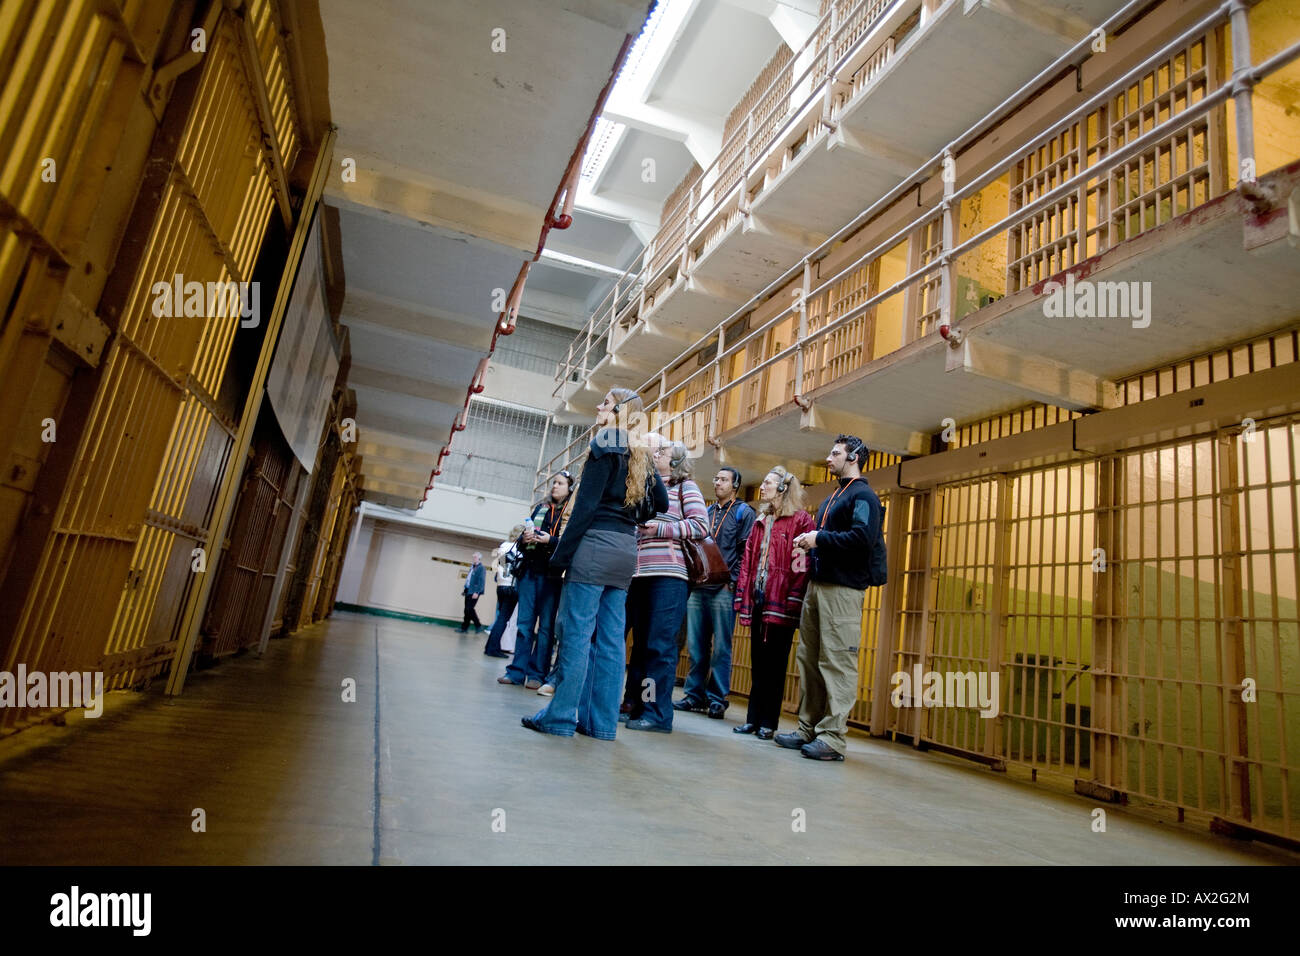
(459, 151)
(629, 175)
(418, 84)
(702, 57)
(713, 62)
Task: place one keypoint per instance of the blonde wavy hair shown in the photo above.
(789, 501)
(630, 417)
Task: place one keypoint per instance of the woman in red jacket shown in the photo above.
(769, 596)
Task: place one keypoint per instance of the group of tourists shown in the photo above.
(609, 557)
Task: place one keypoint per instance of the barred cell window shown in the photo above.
(497, 452)
(533, 347)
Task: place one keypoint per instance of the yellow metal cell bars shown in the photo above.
(1262, 652)
(122, 554)
(961, 643)
(1052, 566)
(1172, 741)
(64, 75)
(1183, 171)
(49, 55)
(909, 562)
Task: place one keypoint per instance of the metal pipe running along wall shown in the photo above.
(558, 216)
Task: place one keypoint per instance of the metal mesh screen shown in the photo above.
(533, 347)
(497, 452)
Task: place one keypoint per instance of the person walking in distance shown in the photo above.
(473, 590)
(597, 552)
(539, 593)
(710, 617)
(769, 596)
(846, 552)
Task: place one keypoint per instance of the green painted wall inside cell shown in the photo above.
(1173, 706)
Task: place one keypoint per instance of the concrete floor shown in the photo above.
(286, 772)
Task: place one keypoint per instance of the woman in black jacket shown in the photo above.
(597, 552)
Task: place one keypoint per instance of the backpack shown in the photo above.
(513, 562)
(877, 557)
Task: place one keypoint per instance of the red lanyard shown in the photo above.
(825, 514)
(713, 532)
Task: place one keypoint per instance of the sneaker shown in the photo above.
(546, 690)
(716, 710)
(691, 706)
(820, 750)
(642, 724)
(791, 741)
(533, 683)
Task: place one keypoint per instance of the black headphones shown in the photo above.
(785, 481)
(675, 461)
(854, 448)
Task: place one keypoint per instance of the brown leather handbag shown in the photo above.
(705, 565)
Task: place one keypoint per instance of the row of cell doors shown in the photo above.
(1139, 612)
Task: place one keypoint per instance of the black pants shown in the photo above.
(507, 598)
(769, 654)
(471, 616)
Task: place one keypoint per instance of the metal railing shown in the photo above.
(705, 199)
(944, 263)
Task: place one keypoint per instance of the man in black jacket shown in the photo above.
(846, 555)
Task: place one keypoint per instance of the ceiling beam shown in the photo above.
(901, 162)
(371, 420)
(1037, 378)
(553, 307)
(385, 381)
(398, 315)
(379, 438)
(699, 132)
(879, 436)
(798, 237)
(570, 263)
(396, 502)
(408, 194)
(406, 491)
(620, 207)
(413, 476)
(393, 456)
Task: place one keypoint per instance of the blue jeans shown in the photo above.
(655, 605)
(590, 668)
(553, 667)
(538, 597)
(506, 600)
(709, 614)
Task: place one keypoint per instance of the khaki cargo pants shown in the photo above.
(830, 629)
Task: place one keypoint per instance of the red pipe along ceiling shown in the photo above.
(565, 193)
